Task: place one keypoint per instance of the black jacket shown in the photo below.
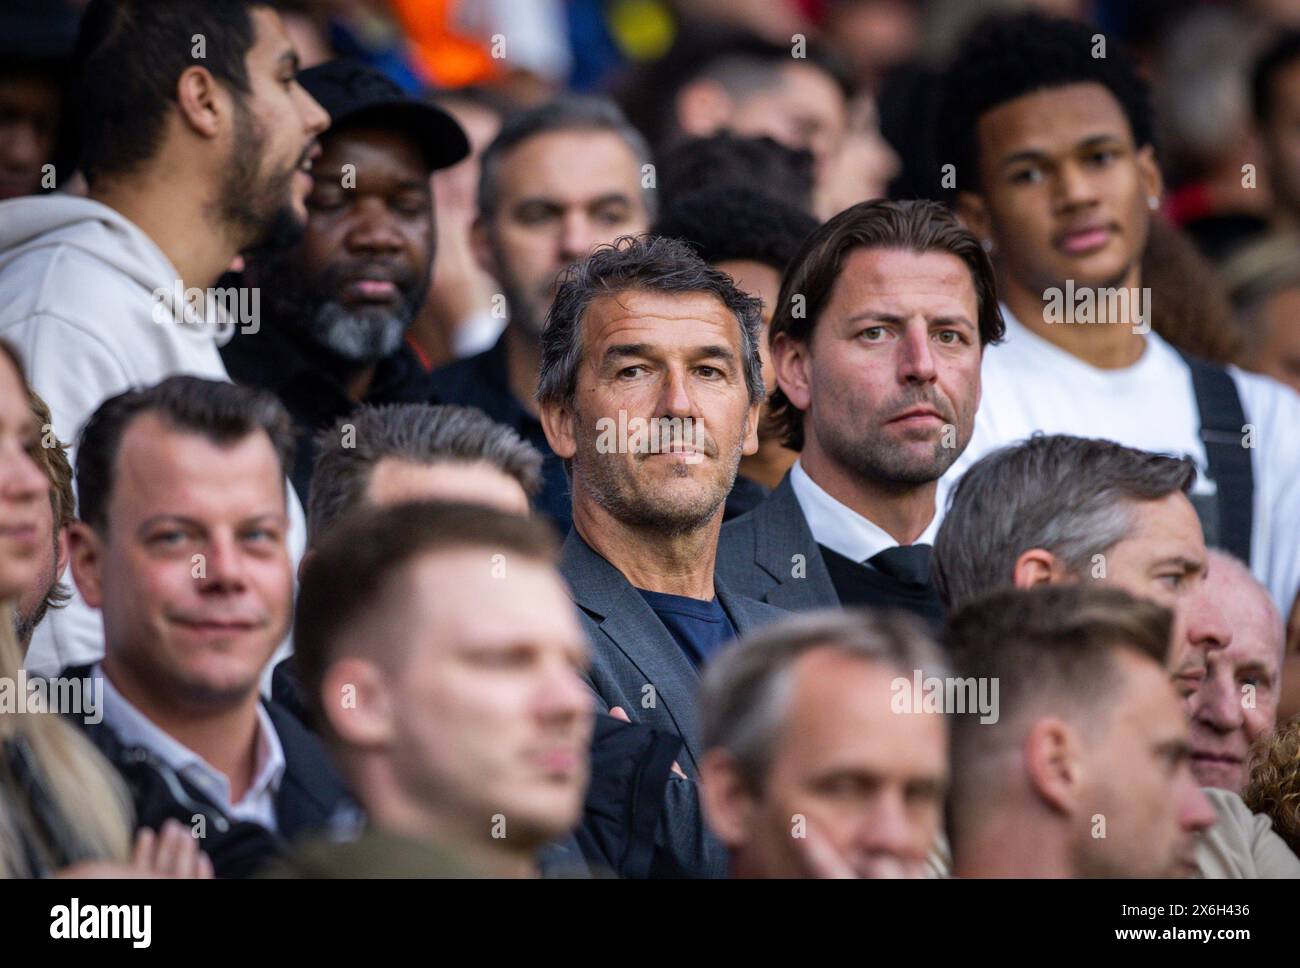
(311, 792)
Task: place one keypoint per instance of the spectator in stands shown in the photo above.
(461, 719)
(1086, 770)
(182, 545)
(558, 180)
(811, 766)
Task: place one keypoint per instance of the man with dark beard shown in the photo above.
(338, 305)
(195, 141)
(876, 342)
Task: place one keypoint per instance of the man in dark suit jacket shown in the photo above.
(876, 341)
(650, 390)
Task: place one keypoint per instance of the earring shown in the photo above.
(1153, 202)
(988, 245)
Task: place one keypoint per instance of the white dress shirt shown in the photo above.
(839, 527)
(258, 803)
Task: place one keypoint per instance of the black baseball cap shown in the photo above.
(355, 93)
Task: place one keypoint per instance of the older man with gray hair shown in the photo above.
(1236, 704)
(818, 762)
(1060, 509)
(1056, 508)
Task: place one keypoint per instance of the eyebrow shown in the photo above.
(1034, 154)
(620, 350)
(189, 522)
(871, 316)
(549, 202)
(1187, 564)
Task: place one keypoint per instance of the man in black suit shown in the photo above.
(181, 544)
(876, 341)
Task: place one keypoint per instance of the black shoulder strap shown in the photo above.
(1222, 425)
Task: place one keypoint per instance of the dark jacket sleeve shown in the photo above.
(640, 819)
(630, 766)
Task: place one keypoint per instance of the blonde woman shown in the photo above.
(63, 810)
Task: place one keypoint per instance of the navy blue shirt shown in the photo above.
(700, 628)
(483, 381)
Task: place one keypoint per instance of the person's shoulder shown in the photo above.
(453, 381)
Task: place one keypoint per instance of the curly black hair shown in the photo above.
(732, 222)
(728, 159)
(1006, 57)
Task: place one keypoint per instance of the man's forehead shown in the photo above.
(371, 137)
(549, 164)
(527, 596)
(681, 320)
(1171, 522)
(1146, 700)
(881, 273)
(270, 39)
(1054, 117)
(151, 446)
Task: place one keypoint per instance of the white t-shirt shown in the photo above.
(1030, 384)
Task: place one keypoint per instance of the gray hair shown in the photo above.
(1068, 495)
(745, 692)
(348, 452)
(565, 113)
(650, 264)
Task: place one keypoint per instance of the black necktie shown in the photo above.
(910, 563)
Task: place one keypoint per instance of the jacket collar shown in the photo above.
(610, 600)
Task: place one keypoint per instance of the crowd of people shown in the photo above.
(762, 459)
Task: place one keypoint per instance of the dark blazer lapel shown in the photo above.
(781, 532)
(631, 625)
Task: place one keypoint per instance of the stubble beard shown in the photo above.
(606, 478)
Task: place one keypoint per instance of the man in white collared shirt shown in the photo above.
(877, 343)
(182, 545)
(257, 805)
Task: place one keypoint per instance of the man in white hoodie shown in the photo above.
(195, 141)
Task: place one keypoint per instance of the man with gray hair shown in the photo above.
(414, 451)
(650, 391)
(396, 453)
(557, 180)
(818, 762)
(1056, 509)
